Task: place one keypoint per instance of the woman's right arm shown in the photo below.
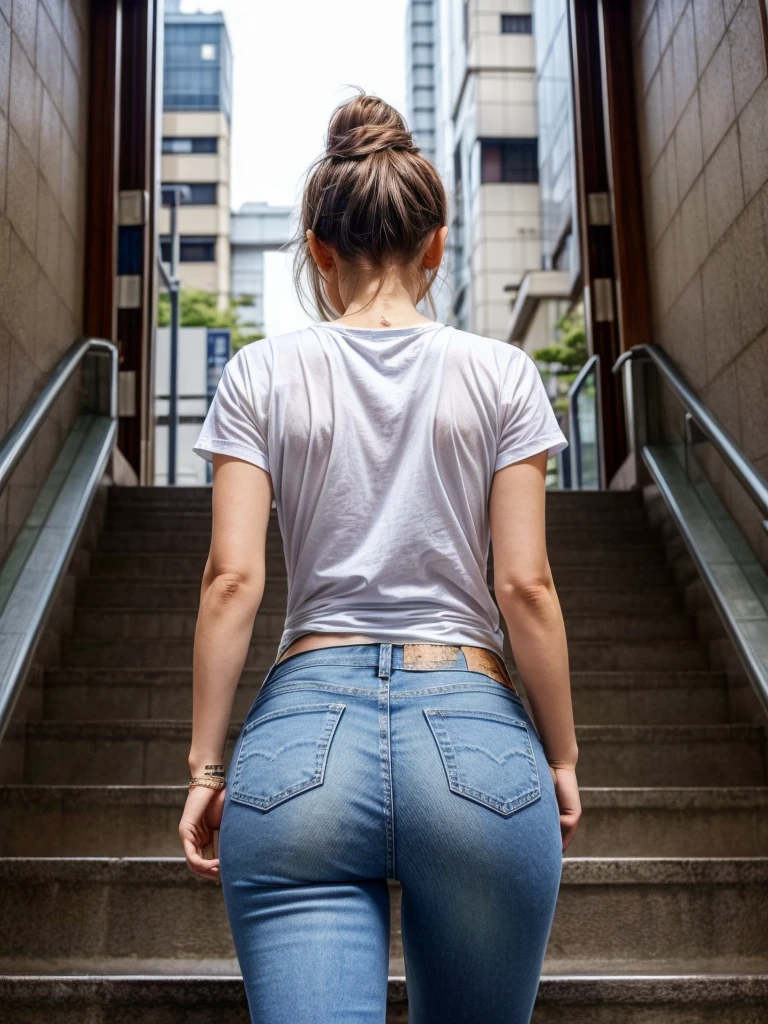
(526, 596)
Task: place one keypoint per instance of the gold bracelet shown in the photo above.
(207, 782)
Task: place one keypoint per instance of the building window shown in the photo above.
(200, 194)
(517, 24)
(191, 249)
(195, 144)
(509, 160)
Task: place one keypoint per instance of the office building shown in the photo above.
(197, 105)
(487, 150)
(422, 48)
(257, 228)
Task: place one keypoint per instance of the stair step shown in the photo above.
(145, 907)
(585, 655)
(197, 999)
(162, 623)
(151, 568)
(663, 755)
(185, 595)
(705, 996)
(695, 821)
(142, 821)
(156, 752)
(647, 698)
(169, 622)
(158, 515)
(563, 546)
(185, 495)
(561, 532)
(599, 698)
(146, 594)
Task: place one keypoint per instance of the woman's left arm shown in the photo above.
(230, 595)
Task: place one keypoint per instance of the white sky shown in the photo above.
(292, 60)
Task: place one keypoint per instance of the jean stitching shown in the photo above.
(448, 756)
(311, 684)
(487, 687)
(333, 716)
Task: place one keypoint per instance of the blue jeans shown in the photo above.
(351, 770)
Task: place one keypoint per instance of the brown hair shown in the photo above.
(372, 197)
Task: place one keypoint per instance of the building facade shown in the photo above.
(546, 292)
(197, 105)
(256, 228)
(422, 50)
(487, 151)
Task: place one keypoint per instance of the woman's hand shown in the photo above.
(201, 818)
(567, 793)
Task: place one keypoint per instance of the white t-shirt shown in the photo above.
(381, 445)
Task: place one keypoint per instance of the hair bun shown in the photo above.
(367, 125)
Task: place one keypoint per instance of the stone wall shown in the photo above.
(702, 103)
(43, 130)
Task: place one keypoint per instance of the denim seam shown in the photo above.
(311, 684)
(385, 767)
(486, 687)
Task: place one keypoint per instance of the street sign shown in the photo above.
(219, 349)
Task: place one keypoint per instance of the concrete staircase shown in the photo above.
(663, 912)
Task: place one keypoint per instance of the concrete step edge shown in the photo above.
(191, 989)
(576, 870)
(619, 797)
(119, 728)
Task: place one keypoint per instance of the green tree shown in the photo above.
(570, 347)
(566, 356)
(200, 309)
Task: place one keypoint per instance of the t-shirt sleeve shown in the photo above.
(236, 423)
(528, 421)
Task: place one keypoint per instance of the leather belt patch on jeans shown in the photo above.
(430, 657)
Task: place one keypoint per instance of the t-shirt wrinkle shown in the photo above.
(382, 446)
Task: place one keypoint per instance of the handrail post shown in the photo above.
(590, 368)
(641, 409)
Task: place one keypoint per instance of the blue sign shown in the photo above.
(219, 350)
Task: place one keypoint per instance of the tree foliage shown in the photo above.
(566, 356)
(200, 309)
(570, 347)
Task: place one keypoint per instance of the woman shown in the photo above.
(387, 740)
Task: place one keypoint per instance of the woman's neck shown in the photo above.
(392, 307)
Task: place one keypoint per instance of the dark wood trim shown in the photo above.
(562, 236)
(99, 306)
(137, 170)
(763, 5)
(624, 175)
(597, 250)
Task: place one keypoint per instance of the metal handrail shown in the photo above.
(20, 436)
(592, 365)
(751, 478)
(728, 569)
(45, 552)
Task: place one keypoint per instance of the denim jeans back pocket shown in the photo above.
(488, 757)
(284, 753)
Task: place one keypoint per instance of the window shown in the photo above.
(200, 194)
(517, 24)
(191, 249)
(509, 160)
(208, 51)
(195, 144)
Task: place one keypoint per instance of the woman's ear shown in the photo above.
(433, 254)
(321, 253)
